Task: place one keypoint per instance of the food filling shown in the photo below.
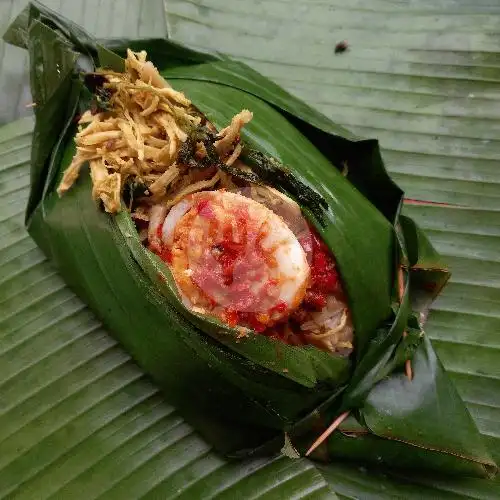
(237, 260)
(239, 250)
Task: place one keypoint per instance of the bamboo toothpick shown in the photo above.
(328, 431)
(408, 368)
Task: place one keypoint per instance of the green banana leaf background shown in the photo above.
(59, 420)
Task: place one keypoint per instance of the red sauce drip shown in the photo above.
(323, 272)
(250, 319)
(316, 300)
(324, 276)
(280, 307)
(205, 209)
(165, 254)
(231, 317)
(228, 253)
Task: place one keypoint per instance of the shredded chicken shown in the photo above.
(159, 185)
(106, 186)
(139, 137)
(194, 188)
(229, 134)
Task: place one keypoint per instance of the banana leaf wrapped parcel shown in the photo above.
(248, 253)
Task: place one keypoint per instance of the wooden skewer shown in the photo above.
(412, 201)
(328, 431)
(408, 368)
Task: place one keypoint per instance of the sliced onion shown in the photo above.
(173, 217)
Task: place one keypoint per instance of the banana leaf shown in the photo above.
(78, 418)
(102, 260)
